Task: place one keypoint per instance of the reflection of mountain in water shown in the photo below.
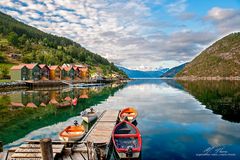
(16, 122)
(222, 97)
(173, 83)
(145, 81)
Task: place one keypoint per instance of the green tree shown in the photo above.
(27, 58)
(5, 71)
(2, 58)
(22, 40)
(13, 38)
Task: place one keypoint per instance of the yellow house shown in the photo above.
(84, 72)
(55, 72)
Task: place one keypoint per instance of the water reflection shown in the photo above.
(25, 111)
(174, 125)
(59, 98)
(176, 120)
(222, 97)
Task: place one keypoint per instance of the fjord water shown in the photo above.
(178, 120)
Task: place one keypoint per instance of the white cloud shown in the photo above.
(224, 19)
(177, 7)
(125, 32)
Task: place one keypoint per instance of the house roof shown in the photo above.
(18, 67)
(83, 69)
(67, 68)
(31, 66)
(43, 65)
(76, 68)
(54, 67)
(80, 65)
(66, 65)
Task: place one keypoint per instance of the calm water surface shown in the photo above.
(178, 120)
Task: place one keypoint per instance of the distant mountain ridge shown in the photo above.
(219, 61)
(143, 74)
(173, 71)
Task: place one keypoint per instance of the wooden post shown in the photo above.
(1, 146)
(46, 149)
(90, 151)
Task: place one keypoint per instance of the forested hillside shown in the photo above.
(20, 43)
(221, 59)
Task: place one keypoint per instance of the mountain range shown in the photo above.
(173, 71)
(143, 74)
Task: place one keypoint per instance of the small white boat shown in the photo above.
(89, 115)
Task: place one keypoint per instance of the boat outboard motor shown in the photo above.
(75, 123)
(91, 110)
(129, 152)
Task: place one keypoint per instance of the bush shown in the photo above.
(5, 71)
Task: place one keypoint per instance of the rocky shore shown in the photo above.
(6, 85)
(218, 78)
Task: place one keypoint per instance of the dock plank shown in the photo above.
(110, 115)
(101, 132)
(36, 146)
(28, 155)
(25, 159)
(31, 150)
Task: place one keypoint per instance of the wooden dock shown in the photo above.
(95, 145)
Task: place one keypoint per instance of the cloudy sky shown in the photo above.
(138, 34)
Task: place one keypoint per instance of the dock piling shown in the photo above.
(1, 146)
(46, 149)
(90, 150)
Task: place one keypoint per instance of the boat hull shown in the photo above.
(67, 139)
(130, 119)
(72, 133)
(123, 155)
(89, 119)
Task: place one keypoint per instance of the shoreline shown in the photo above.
(217, 78)
(6, 86)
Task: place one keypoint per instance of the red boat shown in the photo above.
(127, 140)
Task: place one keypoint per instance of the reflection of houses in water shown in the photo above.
(25, 99)
(16, 100)
(45, 98)
(54, 97)
(31, 97)
(67, 98)
(67, 94)
(31, 105)
(115, 85)
(59, 98)
(96, 89)
(84, 94)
